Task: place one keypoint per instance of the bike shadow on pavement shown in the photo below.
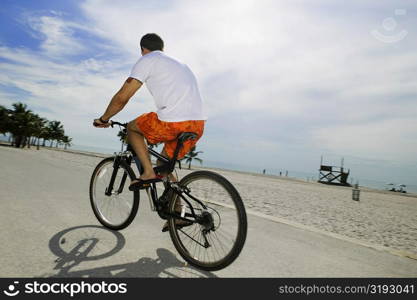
(81, 245)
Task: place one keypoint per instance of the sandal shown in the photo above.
(143, 183)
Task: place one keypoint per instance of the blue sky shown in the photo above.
(283, 81)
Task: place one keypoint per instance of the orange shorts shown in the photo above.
(156, 131)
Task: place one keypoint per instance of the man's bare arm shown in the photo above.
(121, 98)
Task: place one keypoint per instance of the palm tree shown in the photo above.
(122, 135)
(4, 120)
(56, 132)
(46, 134)
(39, 129)
(192, 155)
(28, 128)
(67, 141)
(60, 138)
(20, 119)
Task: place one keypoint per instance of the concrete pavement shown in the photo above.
(49, 229)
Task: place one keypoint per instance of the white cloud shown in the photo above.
(73, 93)
(382, 139)
(57, 36)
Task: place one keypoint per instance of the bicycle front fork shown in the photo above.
(116, 166)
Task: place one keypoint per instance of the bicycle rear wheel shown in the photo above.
(117, 210)
(217, 236)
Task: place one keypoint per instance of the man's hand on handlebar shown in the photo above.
(98, 123)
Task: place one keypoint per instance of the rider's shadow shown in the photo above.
(76, 245)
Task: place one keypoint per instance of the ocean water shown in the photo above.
(310, 176)
(96, 149)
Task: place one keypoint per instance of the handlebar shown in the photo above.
(112, 123)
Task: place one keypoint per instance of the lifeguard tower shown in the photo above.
(333, 175)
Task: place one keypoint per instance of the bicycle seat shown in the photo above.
(184, 136)
(169, 167)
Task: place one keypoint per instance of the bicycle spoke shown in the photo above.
(197, 241)
(214, 248)
(195, 232)
(221, 244)
(219, 237)
(115, 209)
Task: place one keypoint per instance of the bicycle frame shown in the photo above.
(125, 158)
(168, 165)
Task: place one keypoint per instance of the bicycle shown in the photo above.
(208, 203)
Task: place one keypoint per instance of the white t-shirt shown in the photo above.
(172, 85)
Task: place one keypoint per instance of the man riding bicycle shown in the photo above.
(177, 99)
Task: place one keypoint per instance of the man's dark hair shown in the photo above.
(152, 42)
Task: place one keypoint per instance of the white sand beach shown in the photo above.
(381, 218)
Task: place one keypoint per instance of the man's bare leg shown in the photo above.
(178, 205)
(171, 176)
(137, 141)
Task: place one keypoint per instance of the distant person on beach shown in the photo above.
(179, 107)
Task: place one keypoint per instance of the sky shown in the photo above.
(283, 82)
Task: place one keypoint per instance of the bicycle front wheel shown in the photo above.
(117, 209)
(219, 224)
